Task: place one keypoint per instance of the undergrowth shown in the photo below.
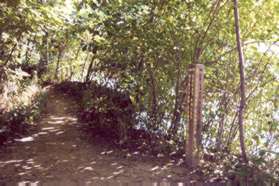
(104, 109)
(21, 103)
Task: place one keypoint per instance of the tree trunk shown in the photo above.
(242, 82)
(83, 66)
(223, 112)
(43, 56)
(176, 115)
(71, 72)
(27, 52)
(153, 101)
(220, 132)
(58, 64)
(89, 70)
(10, 55)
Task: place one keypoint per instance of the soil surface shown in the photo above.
(59, 152)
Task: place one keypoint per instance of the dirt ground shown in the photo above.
(59, 151)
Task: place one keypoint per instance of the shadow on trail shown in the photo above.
(59, 153)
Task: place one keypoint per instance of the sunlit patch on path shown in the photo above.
(59, 152)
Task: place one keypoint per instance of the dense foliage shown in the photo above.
(21, 103)
(143, 48)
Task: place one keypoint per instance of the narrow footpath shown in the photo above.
(60, 153)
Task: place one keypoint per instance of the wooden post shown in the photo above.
(194, 96)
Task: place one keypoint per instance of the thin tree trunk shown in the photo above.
(83, 66)
(71, 73)
(223, 111)
(27, 57)
(220, 132)
(43, 56)
(176, 115)
(89, 70)
(58, 64)
(10, 55)
(153, 100)
(242, 82)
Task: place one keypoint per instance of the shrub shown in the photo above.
(20, 105)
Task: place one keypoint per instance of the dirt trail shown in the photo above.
(60, 150)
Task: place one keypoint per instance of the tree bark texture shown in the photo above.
(242, 82)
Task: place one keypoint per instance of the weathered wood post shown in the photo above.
(194, 96)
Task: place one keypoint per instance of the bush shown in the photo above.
(20, 105)
(109, 111)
